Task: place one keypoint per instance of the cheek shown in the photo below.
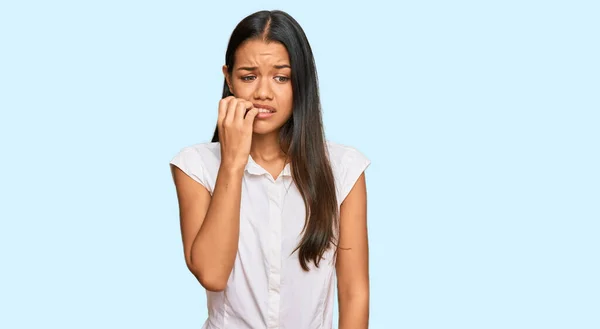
(287, 96)
(241, 89)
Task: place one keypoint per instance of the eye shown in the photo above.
(248, 78)
(282, 79)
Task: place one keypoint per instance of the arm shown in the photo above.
(352, 264)
(210, 226)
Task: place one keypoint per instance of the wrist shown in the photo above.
(232, 169)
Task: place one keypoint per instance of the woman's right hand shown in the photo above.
(235, 131)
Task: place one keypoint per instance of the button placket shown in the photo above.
(275, 211)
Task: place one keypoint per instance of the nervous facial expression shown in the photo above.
(262, 75)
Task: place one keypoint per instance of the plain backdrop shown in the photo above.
(481, 119)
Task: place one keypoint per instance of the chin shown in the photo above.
(261, 128)
(263, 131)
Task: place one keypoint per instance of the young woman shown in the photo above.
(272, 214)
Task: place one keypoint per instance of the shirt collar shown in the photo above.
(255, 169)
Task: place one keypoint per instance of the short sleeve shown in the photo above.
(354, 163)
(190, 161)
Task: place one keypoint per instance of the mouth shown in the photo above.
(264, 108)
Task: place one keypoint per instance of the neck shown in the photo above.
(266, 148)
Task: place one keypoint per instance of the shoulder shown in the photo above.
(200, 149)
(347, 164)
(342, 152)
(199, 161)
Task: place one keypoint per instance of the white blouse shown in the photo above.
(267, 287)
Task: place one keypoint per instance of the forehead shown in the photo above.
(258, 52)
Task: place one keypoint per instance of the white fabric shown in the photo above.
(267, 287)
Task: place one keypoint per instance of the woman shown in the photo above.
(271, 213)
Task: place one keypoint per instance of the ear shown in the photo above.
(227, 78)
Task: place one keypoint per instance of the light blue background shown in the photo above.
(481, 119)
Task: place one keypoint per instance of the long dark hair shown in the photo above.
(301, 137)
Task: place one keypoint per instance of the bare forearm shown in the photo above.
(215, 246)
(354, 312)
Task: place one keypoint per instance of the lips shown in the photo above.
(264, 108)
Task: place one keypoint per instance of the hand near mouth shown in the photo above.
(235, 121)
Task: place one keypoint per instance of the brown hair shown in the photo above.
(301, 137)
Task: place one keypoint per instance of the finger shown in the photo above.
(223, 103)
(249, 106)
(250, 115)
(230, 115)
(242, 107)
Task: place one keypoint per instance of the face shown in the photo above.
(262, 75)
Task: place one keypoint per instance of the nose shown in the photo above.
(263, 89)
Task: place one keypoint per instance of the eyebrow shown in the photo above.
(253, 68)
